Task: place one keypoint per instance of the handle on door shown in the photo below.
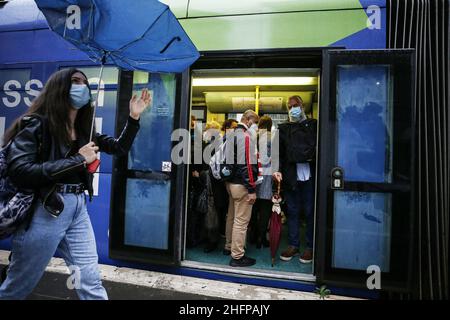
(337, 178)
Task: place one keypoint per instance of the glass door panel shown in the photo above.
(364, 122)
(147, 213)
(362, 230)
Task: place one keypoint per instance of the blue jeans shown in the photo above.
(71, 234)
(301, 197)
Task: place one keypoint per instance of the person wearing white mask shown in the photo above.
(48, 152)
(297, 145)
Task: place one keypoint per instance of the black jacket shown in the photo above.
(245, 168)
(37, 162)
(289, 169)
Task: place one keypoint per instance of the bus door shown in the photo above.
(146, 202)
(365, 200)
(148, 189)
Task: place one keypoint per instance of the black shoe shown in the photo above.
(226, 252)
(242, 262)
(210, 247)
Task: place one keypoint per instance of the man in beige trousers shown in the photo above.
(242, 191)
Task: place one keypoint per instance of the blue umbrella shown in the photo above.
(134, 35)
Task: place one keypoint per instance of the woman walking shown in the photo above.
(49, 154)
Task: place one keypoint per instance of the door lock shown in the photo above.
(337, 178)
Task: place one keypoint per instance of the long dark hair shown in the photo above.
(53, 102)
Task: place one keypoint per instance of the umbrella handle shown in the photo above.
(96, 101)
(92, 167)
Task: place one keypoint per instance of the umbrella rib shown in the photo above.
(143, 35)
(115, 62)
(159, 60)
(111, 54)
(90, 46)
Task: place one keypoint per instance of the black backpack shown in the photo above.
(301, 141)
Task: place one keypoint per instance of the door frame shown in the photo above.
(291, 58)
(221, 59)
(117, 248)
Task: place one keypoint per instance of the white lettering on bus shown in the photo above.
(8, 88)
(13, 97)
(32, 92)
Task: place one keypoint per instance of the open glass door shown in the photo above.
(366, 176)
(147, 191)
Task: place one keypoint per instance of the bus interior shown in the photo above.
(217, 95)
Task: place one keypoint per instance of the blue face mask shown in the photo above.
(295, 114)
(79, 95)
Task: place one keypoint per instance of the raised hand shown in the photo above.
(138, 105)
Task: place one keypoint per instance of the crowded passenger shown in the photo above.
(203, 221)
(297, 144)
(211, 198)
(240, 207)
(263, 204)
(218, 187)
(211, 214)
(242, 192)
(193, 228)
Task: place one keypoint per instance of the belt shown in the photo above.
(70, 188)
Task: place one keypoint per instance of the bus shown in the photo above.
(335, 54)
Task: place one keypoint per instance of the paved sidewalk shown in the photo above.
(127, 283)
(53, 287)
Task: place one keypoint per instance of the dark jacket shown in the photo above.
(245, 169)
(289, 169)
(37, 162)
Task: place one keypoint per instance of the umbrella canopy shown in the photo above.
(274, 234)
(275, 225)
(134, 35)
